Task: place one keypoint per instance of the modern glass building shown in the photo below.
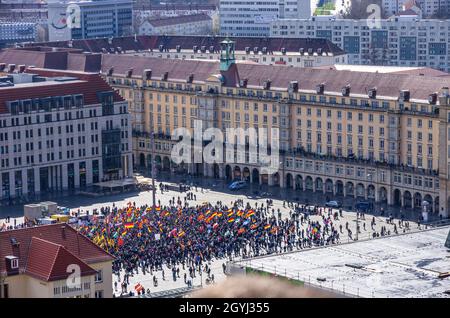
(90, 19)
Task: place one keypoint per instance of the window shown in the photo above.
(99, 294)
(99, 277)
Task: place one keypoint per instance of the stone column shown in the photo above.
(221, 172)
(281, 180)
(76, 170)
(65, 177)
(25, 181)
(89, 174)
(12, 188)
(270, 179)
(37, 180)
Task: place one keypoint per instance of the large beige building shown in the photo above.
(40, 262)
(382, 137)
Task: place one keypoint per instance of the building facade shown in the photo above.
(93, 19)
(402, 41)
(16, 32)
(381, 137)
(60, 132)
(253, 18)
(38, 262)
(196, 24)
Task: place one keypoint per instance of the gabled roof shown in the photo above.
(48, 261)
(56, 237)
(89, 84)
(186, 42)
(387, 85)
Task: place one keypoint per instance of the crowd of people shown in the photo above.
(182, 235)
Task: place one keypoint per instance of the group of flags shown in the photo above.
(114, 231)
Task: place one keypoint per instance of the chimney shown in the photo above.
(11, 68)
(320, 89)
(63, 231)
(404, 95)
(373, 93)
(12, 264)
(346, 90)
(147, 75)
(293, 86)
(432, 98)
(130, 72)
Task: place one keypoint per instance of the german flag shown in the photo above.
(266, 227)
(129, 225)
(230, 212)
(230, 220)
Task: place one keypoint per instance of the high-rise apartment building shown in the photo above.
(402, 41)
(91, 19)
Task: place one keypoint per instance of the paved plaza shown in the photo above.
(212, 193)
(406, 266)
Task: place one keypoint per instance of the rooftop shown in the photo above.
(387, 84)
(411, 70)
(87, 84)
(405, 265)
(144, 42)
(45, 251)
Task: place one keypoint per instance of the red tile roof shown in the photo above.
(360, 82)
(182, 19)
(44, 57)
(48, 261)
(89, 84)
(186, 42)
(56, 237)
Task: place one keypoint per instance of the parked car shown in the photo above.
(333, 204)
(237, 185)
